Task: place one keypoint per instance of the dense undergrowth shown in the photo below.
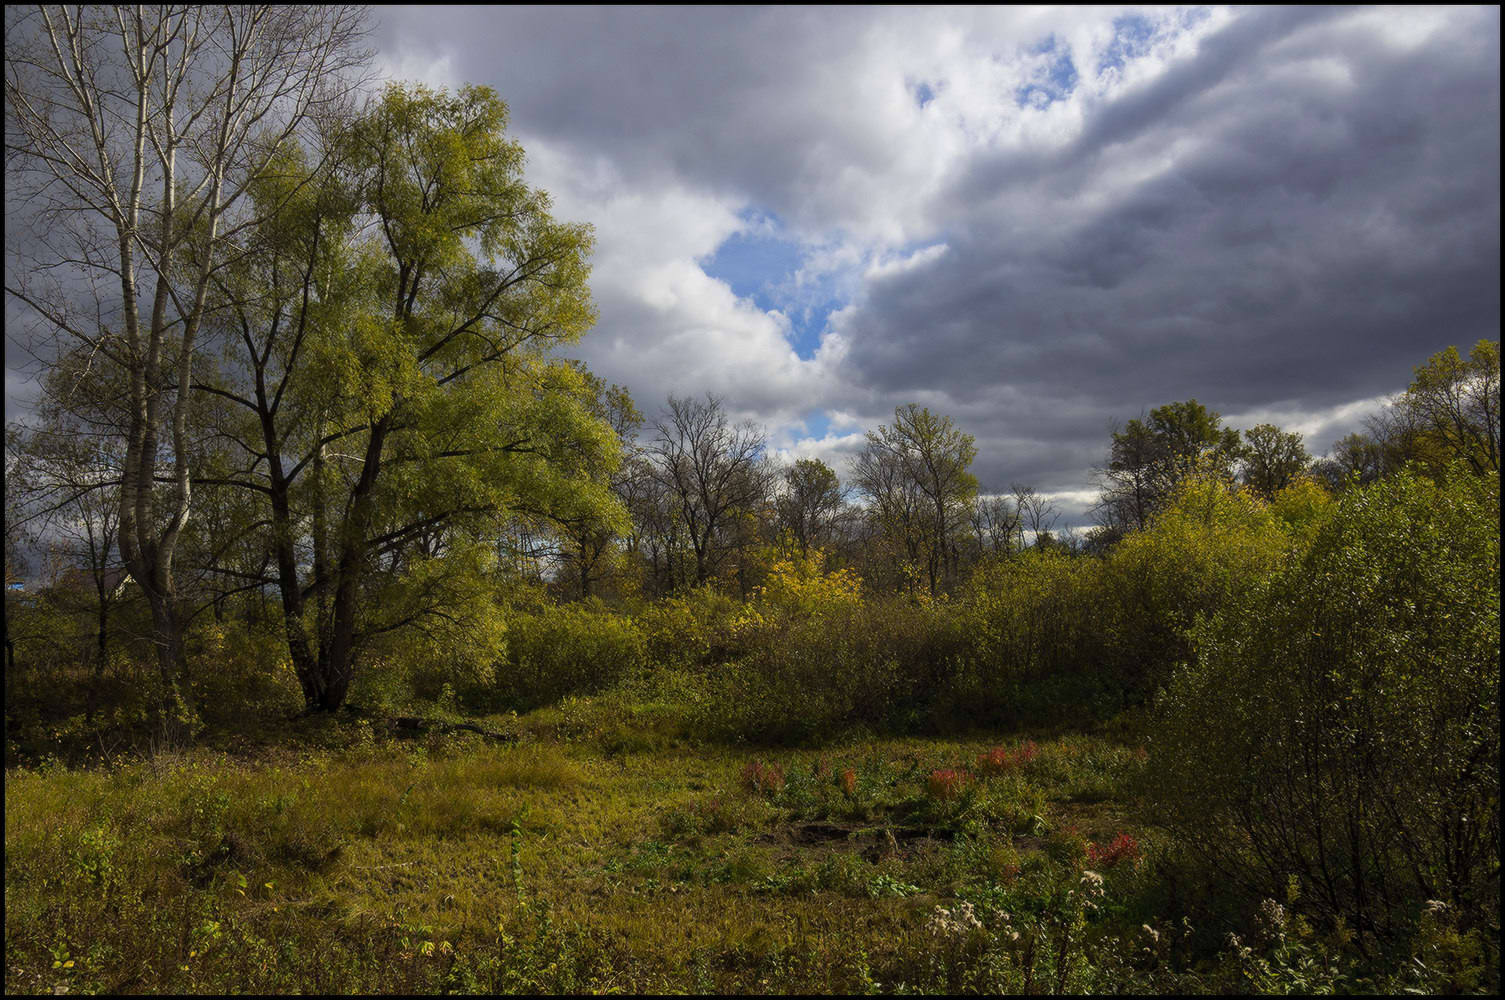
(1253, 748)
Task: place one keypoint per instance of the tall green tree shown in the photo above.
(1457, 402)
(809, 501)
(591, 536)
(133, 136)
(1353, 457)
(389, 379)
(1271, 459)
(1149, 458)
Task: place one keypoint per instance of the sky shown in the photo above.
(1035, 221)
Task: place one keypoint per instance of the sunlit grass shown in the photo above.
(386, 864)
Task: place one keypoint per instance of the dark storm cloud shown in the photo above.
(1277, 211)
(731, 98)
(1332, 219)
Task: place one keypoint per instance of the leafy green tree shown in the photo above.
(389, 382)
(1353, 457)
(1271, 459)
(135, 133)
(1150, 457)
(1207, 545)
(590, 536)
(809, 502)
(1458, 403)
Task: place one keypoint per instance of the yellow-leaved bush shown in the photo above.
(1211, 544)
(801, 585)
(692, 629)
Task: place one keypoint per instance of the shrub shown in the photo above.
(455, 631)
(1343, 724)
(1059, 634)
(881, 664)
(1036, 641)
(241, 673)
(694, 629)
(800, 586)
(1210, 545)
(558, 650)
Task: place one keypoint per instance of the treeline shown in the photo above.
(379, 436)
(707, 506)
(305, 368)
(681, 503)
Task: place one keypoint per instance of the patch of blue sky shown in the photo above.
(1132, 36)
(754, 263)
(1054, 79)
(817, 424)
(807, 323)
(923, 93)
(760, 264)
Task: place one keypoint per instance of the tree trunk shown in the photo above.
(336, 664)
(101, 651)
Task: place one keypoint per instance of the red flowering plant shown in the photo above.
(761, 777)
(1121, 848)
(1000, 760)
(947, 784)
(849, 782)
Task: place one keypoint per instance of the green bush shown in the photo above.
(693, 629)
(1208, 547)
(1036, 642)
(1061, 635)
(558, 650)
(884, 664)
(241, 673)
(437, 627)
(1342, 726)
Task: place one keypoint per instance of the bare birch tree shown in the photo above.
(133, 134)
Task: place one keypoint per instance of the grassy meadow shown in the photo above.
(817, 791)
(603, 851)
(360, 638)
(1249, 748)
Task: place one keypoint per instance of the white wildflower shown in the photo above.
(944, 923)
(1272, 920)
